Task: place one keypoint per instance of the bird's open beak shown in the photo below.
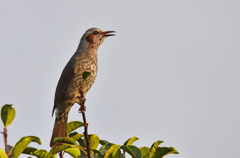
(108, 33)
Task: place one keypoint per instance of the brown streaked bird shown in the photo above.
(67, 91)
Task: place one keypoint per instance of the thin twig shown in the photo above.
(86, 135)
(81, 148)
(82, 110)
(61, 154)
(5, 139)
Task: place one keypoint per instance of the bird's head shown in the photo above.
(94, 37)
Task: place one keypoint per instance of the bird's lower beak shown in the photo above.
(108, 33)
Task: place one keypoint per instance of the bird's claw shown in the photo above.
(81, 102)
(82, 109)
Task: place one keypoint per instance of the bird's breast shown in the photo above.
(76, 84)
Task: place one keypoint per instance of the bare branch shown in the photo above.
(82, 110)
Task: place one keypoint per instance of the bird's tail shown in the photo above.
(59, 130)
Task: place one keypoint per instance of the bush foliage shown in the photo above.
(75, 144)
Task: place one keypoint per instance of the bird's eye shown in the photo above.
(95, 32)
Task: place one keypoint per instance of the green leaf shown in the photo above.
(132, 150)
(54, 151)
(154, 147)
(7, 114)
(83, 155)
(76, 136)
(103, 142)
(54, 156)
(74, 152)
(40, 153)
(81, 142)
(29, 150)
(72, 134)
(105, 148)
(110, 151)
(85, 75)
(94, 141)
(116, 153)
(144, 151)
(131, 140)
(162, 151)
(23, 143)
(95, 151)
(3, 154)
(97, 154)
(67, 140)
(71, 126)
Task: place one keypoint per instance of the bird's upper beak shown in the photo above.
(108, 33)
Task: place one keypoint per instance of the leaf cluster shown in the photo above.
(75, 144)
(111, 150)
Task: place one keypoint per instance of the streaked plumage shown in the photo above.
(67, 91)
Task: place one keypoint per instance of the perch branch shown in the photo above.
(82, 110)
(5, 139)
(61, 154)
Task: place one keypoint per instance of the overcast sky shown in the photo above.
(171, 73)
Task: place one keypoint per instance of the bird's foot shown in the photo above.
(81, 102)
(82, 109)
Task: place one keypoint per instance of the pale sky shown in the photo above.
(171, 73)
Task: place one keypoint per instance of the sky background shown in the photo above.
(171, 73)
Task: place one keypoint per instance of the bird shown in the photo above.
(68, 88)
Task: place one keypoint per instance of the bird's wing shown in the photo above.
(64, 81)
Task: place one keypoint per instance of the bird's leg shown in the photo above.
(81, 101)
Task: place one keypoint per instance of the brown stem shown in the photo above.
(82, 109)
(5, 139)
(86, 135)
(61, 154)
